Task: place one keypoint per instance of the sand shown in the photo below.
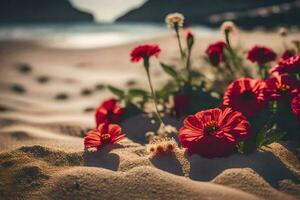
(47, 101)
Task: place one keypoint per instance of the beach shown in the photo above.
(47, 102)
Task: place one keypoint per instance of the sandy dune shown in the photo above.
(46, 109)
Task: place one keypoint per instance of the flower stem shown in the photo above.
(233, 55)
(188, 66)
(285, 46)
(179, 42)
(263, 70)
(154, 97)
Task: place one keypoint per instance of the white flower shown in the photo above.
(283, 32)
(228, 27)
(174, 20)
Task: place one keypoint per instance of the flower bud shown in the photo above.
(190, 39)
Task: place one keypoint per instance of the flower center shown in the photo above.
(210, 127)
(247, 95)
(106, 137)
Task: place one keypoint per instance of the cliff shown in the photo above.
(35, 11)
(246, 13)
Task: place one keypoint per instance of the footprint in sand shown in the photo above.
(99, 86)
(62, 96)
(17, 88)
(89, 109)
(3, 108)
(24, 68)
(131, 82)
(43, 79)
(86, 92)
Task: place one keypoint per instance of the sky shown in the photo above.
(107, 10)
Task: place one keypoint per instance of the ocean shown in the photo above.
(87, 35)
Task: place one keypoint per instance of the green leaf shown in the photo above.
(264, 132)
(138, 93)
(116, 91)
(171, 71)
(227, 54)
(162, 94)
(273, 136)
(241, 147)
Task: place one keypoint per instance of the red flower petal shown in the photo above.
(245, 95)
(144, 51)
(104, 134)
(290, 65)
(215, 52)
(109, 112)
(92, 139)
(109, 104)
(261, 54)
(280, 87)
(114, 130)
(193, 123)
(220, 132)
(117, 139)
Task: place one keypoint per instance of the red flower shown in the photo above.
(190, 39)
(144, 52)
(103, 134)
(287, 54)
(280, 87)
(214, 132)
(290, 65)
(245, 95)
(181, 103)
(189, 34)
(296, 106)
(109, 112)
(261, 54)
(215, 52)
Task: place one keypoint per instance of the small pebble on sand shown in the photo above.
(89, 109)
(100, 86)
(86, 92)
(3, 108)
(131, 82)
(18, 88)
(24, 68)
(43, 79)
(61, 96)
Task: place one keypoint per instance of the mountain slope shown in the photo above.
(213, 12)
(25, 11)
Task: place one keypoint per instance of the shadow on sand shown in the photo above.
(265, 164)
(103, 158)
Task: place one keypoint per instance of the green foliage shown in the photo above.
(116, 91)
(264, 132)
(172, 72)
(135, 92)
(285, 120)
(273, 135)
